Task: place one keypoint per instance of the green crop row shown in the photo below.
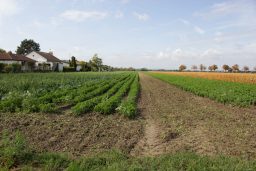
(225, 92)
(45, 92)
(108, 106)
(128, 106)
(88, 105)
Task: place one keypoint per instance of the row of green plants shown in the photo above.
(15, 154)
(128, 106)
(109, 106)
(88, 105)
(99, 93)
(239, 94)
(86, 86)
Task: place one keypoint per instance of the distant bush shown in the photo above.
(69, 69)
(16, 67)
(2, 66)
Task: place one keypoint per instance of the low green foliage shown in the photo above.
(108, 106)
(88, 105)
(38, 92)
(225, 92)
(128, 106)
(14, 153)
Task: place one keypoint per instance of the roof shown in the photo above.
(50, 57)
(14, 57)
(5, 56)
(21, 58)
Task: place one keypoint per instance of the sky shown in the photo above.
(157, 34)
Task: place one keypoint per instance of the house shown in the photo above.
(65, 63)
(79, 64)
(27, 64)
(46, 61)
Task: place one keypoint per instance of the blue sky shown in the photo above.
(137, 33)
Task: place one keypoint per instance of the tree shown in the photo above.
(235, 67)
(194, 67)
(27, 46)
(96, 63)
(73, 62)
(246, 68)
(2, 51)
(225, 67)
(182, 67)
(213, 67)
(202, 67)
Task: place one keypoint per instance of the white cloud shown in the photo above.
(244, 12)
(79, 16)
(199, 30)
(8, 7)
(141, 16)
(119, 14)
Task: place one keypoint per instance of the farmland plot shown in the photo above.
(236, 93)
(48, 93)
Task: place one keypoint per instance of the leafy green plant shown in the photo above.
(128, 106)
(13, 151)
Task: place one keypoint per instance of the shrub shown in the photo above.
(8, 68)
(69, 69)
(16, 67)
(2, 66)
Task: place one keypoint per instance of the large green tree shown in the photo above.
(27, 46)
(96, 63)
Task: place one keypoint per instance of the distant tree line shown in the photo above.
(214, 67)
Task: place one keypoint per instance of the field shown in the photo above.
(236, 93)
(231, 77)
(56, 93)
(125, 121)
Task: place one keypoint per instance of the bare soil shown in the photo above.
(177, 121)
(77, 136)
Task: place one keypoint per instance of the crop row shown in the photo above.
(128, 106)
(87, 86)
(225, 92)
(88, 105)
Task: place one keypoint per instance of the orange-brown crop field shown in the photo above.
(231, 77)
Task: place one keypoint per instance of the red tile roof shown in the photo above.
(21, 58)
(5, 56)
(14, 57)
(50, 57)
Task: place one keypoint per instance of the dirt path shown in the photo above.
(176, 120)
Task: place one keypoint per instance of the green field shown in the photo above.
(239, 94)
(51, 92)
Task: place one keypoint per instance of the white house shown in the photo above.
(46, 61)
(27, 64)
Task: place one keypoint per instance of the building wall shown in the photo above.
(35, 56)
(9, 62)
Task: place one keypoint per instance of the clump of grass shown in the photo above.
(13, 151)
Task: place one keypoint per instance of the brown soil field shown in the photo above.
(179, 121)
(77, 136)
(170, 120)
